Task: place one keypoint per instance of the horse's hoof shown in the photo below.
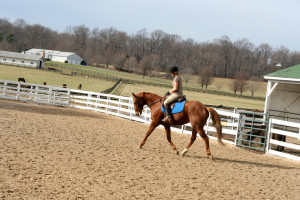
(177, 152)
(140, 147)
(184, 152)
(210, 157)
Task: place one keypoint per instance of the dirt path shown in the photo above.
(62, 153)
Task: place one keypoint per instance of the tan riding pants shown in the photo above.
(172, 98)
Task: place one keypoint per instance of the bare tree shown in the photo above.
(234, 85)
(205, 77)
(119, 60)
(81, 35)
(253, 84)
(239, 82)
(186, 74)
(131, 64)
(225, 52)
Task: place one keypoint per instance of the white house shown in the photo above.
(19, 59)
(57, 56)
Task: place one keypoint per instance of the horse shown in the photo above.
(194, 112)
(20, 79)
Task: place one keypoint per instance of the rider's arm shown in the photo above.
(175, 88)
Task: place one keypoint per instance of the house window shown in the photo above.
(22, 61)
(4, 59)
(13, 60)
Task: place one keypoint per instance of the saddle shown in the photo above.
(180, 99)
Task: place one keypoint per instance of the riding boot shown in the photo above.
(168, 118)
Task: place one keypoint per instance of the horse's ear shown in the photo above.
(134, 95)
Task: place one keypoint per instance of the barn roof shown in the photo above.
(16, 55)
(291, 74)
(49, 52)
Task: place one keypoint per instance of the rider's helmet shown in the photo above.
(173, 69)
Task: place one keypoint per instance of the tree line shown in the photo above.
(148, 53)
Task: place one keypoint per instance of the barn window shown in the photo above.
(22, 61)
(4, 59)
(31, 63)
(13, 60)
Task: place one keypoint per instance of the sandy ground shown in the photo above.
(51, 152)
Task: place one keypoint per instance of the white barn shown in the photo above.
(283, 107)
(57, 56)
(283, 94)
(19, 59)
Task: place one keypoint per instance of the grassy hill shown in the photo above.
(97, 85)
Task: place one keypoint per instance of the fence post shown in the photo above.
(131, 108)
(69, 96)
(239, 137)
(49, 95)
(107, 103)
(182, 128)
(269, 135)
(119, 106)
(18, 91)
(207, 123)
(89, 100)
(5, 85)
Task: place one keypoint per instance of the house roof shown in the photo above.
(291, 74)
(49, 52)
(16, 55)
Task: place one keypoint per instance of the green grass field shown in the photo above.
(96, 85)
(51, 78)
(219, 84)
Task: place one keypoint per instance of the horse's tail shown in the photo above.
(216, 123)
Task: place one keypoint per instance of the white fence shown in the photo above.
(292, 134)
(114, 105)
(35, 93)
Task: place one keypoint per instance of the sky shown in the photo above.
(276, 22)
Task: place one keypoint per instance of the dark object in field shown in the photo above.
(51, 69)
(20, 79)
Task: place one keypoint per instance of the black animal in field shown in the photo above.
(20, 79)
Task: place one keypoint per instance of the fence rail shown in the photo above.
(292, 135)
(123, 107)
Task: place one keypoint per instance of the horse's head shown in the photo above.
(138, 103)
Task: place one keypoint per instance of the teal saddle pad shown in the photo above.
(177, 108)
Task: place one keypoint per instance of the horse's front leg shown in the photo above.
(168, 133)
(150, 130)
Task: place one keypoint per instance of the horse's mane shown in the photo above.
(149, 93)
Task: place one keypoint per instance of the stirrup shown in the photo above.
(168, 119)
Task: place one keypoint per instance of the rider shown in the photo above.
(174, 93)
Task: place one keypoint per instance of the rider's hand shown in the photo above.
(167, 93)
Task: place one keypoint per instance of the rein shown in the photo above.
(155, 102)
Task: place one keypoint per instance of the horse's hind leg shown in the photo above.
(168, 133)
(206, 140)
(150, 130)
(193, 138)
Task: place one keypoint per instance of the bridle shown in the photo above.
(137, 103)
(141, 109)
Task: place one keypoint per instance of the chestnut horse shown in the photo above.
(194, 112)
